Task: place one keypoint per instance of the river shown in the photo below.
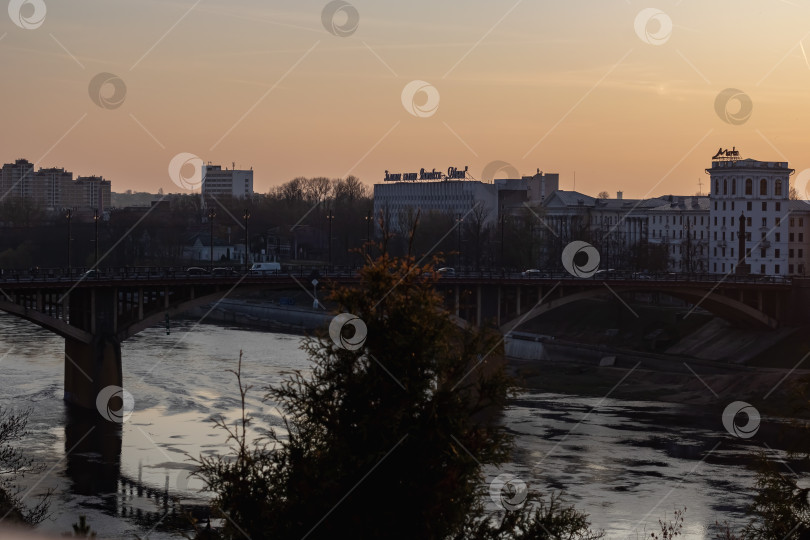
(625, 463)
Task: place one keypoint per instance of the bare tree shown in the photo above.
(603, 195)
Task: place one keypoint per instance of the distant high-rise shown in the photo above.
(54, 187)
(218, 182)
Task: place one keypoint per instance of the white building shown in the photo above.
(757, 191)
(402, 195)
(219, 182)
(682, 225)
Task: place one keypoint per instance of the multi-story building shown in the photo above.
(682, 226)
(219, 182)
(402, 195)
(798, 260)
(758, 192)
(54, 187)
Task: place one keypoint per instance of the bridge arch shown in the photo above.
(728, 308)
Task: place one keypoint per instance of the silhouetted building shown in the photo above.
(219, 182)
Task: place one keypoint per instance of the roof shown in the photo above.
(682, 203)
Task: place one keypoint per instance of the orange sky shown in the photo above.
(560, 86)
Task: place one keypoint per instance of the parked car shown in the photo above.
(196, 271)
(92, 273)
(533, 272)
(447, 271)
(265, 268)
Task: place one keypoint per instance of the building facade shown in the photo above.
(759, 193)
(54, 188)
(219, 182)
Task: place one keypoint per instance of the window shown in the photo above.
(715, 235)
(715, 205)
(724, 205)
(715, 252)
(763, 187)
(792, 222)
(733, 188)
(776, 253)
(778, 237)
(762, 253)
(764, 206)
(764, 222)
(732, 252)
(715, 221)
(801, 253)
(724, 252)
(701, 220)
(790, 269)
(761, 268)
(681, 221)
(748, 221)
(776, 269)
(715, 267)
(801, 222)
(748, 237)
(801, 237)
(725, 187)
(732, 221)
(724, 267)
(701, 235)
(749, 186)
(778, 206)
(778, 222)
(790, 254)
(748, 206)
(732, 205)
(717, 187)
(778, 191)
(724, 221)
(724, 235)
(801, 269)
(790, 237)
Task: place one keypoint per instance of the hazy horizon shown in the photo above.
(564, 88)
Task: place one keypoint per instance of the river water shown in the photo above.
(625, 463)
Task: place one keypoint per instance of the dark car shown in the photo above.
(223, 272)
(196, 271)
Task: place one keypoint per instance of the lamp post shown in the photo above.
(211, 215)
(95, 218)
(246, 216)
(69, 215)
(330, 216)
(459, 221)
(503, 222)
(368, 232)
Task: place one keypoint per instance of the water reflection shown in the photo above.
(93, 448)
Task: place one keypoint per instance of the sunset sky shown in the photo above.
(560, 86)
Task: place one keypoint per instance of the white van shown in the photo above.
(265, 268)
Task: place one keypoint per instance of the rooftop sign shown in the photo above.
(452, 174)
(727, 155)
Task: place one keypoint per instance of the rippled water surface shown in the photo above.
(626, 463)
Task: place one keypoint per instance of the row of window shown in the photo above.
(749, 206)
(749, 187)
(762, 268)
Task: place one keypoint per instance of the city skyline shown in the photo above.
(623, 97)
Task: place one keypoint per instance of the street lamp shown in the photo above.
(330, 216)
(211, 215)
(459, 221)
(246, 216)
(95, 218)
(368, 231)
(68, 215)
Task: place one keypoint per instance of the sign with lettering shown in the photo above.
(452, 174)
(727, 155)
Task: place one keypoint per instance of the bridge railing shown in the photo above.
(308, 272)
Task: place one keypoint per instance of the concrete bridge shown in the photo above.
(95, 313)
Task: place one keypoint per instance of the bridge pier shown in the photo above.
(91, 367)
(93, 364)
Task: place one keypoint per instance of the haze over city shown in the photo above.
(565, 87)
